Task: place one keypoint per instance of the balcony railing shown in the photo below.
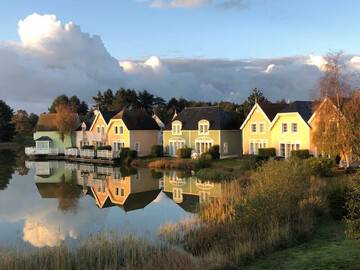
(87, 153)
(74, 152)
(32, 151)
(107, 154)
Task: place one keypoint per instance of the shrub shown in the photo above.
(267, 152)
(214, 151)
(90, 147)
(157, 151)
(104, 147)
(204, 161)
(302, 154)
(124, 152)
(320, 166)
(337, 203)
(353, 209)
(183, 152)
(214, 175)
(164, 163)
(132, 154)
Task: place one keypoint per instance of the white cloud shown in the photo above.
(59, 58)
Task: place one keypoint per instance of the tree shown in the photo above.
(336, 127)
(255, 96)
(23, 125)
(59, 100)
(66, 119)
(7, 128)
(33, 118)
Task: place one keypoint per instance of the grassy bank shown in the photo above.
(328, 249)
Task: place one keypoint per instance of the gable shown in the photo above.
(255, 115)
(99, 121)
(291, 117)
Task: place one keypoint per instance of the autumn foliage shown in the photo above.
(66, 119)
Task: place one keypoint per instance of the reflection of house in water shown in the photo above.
(188, 191)
(109, 186)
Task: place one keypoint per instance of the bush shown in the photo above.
(353, 210)
(204, 161)
(302, 154)
(104, 147)
(337, 203)
(267, 152)
(89, 147)
(214, 175)
(157, 151)
(214, 151)
(320, 166)
(132, 154)
(183, 152)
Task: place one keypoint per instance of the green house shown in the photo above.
(48, 140)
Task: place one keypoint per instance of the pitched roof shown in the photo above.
(271, 109)
(304, 108)
(137, 120)
(43, 139)
(218, 118)
(46, 122)
(108, 115)
(88, 122)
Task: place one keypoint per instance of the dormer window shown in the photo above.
(203, 126)
(176, 128)
(83, 127)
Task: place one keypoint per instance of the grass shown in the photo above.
(328, 249)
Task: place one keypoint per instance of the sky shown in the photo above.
(219, 49)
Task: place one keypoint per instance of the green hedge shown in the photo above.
(353, 210)
(267, 152)
(127, 155)
(321, 166)
(104, 147)
(303, 153)
(214, 152)
(157, 151)
(183, 152)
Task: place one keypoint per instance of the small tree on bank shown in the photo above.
(337, 123)
(66, 119)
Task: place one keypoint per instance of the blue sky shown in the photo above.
(131, 29)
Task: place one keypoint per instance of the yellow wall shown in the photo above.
(146, 139)
(113, 137)
(257, 117)
(302, 136)
(101, 123)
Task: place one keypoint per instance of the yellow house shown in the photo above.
(284, 127)
(290, 129)
(134, 129)
(200, 128)
(256, 127)
(97, 134)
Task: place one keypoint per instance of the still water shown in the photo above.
(43, 204)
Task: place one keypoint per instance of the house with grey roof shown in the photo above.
(200, 128)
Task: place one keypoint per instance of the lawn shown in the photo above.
(327, 250)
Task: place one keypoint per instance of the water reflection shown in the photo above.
(46, 203)
(188, 191)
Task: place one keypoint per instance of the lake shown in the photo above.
(47, 203)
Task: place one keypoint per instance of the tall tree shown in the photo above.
(335, 130)
(78, 106)
(59, 100)
(7, 128)
(66, 119)
(255, 96)
(33, 119)
(23, 125)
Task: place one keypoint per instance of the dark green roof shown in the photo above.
(44, 139)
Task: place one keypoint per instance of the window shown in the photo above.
(226, 148)
(116, 130)
(122, 192)
(261, 127)
(176, 128)
(253, 128)
(203, 127)
(98, 129)
(282, 150)
(252, 149)
(174, 145)
(284, 127)
(121, 130)
(294, 127)
(117, 191)
(137, 147)
(102, 130)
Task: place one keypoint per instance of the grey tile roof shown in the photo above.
(137, 120)
(218, 118)
(304, 108)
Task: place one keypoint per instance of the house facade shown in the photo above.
(200, 128)
(284, 127)
(48, 140)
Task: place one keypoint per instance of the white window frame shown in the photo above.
(226, 148)
(284, 125)
(121, 130)
(116, 130)
(253, 124)
(203, 145)
(176, 128)
(203, 127)
(289, 146)
(256, 144)
(292, 127)
(263, 125)
(137, 147)
(174, 144)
